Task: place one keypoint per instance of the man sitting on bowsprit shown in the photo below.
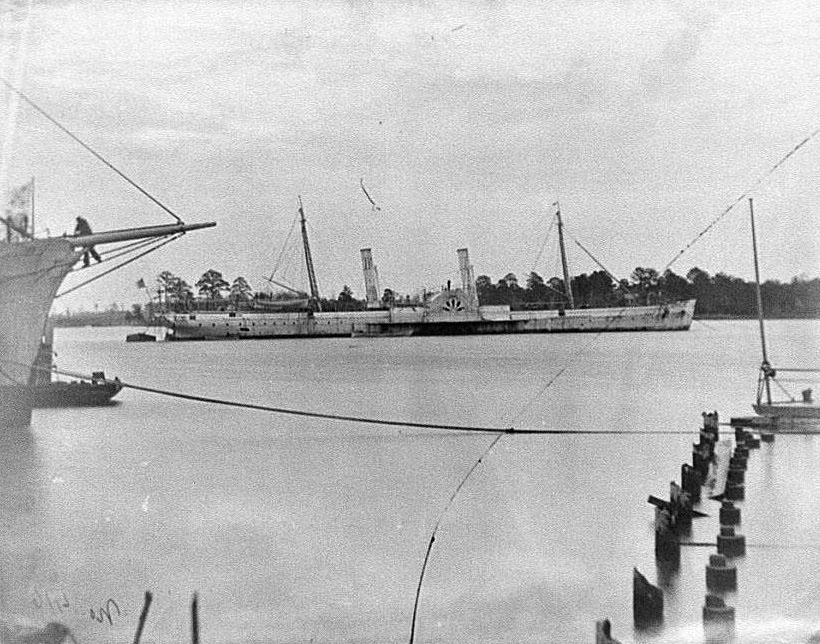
(83, 228)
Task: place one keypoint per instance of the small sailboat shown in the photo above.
(790, 413)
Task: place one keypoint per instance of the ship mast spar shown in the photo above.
(314, 289)
(567, 283)
(765, 367)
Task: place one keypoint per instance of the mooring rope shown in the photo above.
(356, 419)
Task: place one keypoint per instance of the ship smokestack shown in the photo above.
(467, 277)
(371, 280)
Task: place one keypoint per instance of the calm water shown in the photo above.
(300, 530)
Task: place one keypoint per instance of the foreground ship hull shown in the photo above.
(31, 272)
(676, 316)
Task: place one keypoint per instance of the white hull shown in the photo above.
(789, 410)
(676, 316)
(30, 274)
(791, 417)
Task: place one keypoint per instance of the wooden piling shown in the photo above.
(143, 616)
(720, 574)
(729, 543)
(195, 620)
(729, 514)
(647, 601)
(603, 632)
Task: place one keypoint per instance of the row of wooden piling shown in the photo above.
(673, 520)
(721, 573)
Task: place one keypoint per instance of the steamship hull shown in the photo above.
(453, 311)
(427, 321)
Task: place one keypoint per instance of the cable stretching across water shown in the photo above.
(561, 371)
(355, 419)
(486, 452)
(435, 530)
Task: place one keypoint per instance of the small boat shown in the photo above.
(140, 337)
(76, 393)
(42, 391)
(792, 413)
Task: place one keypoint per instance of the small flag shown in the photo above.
(18, 211)
(140, 283)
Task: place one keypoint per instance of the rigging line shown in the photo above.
(543, 246)
(782, 388)
(284, 246)
(42, 271)
(131, 244)
(38, 273)
(9, 378)
(119, 266)
(614, 279)
(112, 255)
(555, 290)
(87, 147)
(362, 419)
(708, 326)
(731, 206)
(435, 530)
(561, 371)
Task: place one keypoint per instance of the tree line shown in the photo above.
(720, 295)
(173, 290)
(213, 290)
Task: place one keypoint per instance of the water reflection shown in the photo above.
(22, 489)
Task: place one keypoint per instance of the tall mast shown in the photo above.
(31, 222)
(314, 289)
(765, 367)
(567, 284)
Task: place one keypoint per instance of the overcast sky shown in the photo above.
(467, 120)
